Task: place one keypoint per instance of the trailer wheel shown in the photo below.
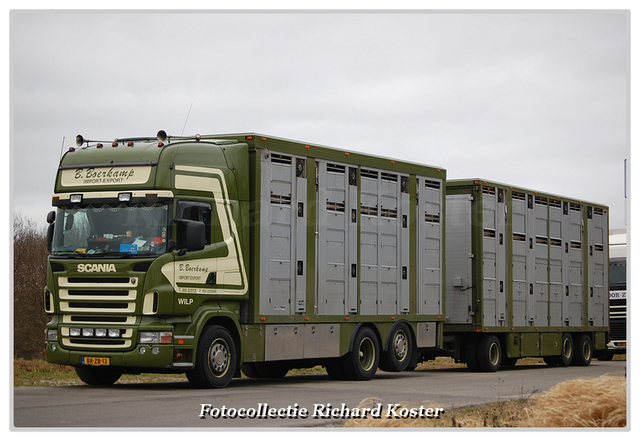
(398, 356)
(489, 353)
(216, 359)
(362, 362)
(566, 356)
(584, 351)
(98, 375)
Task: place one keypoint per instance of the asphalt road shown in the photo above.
(295, 401)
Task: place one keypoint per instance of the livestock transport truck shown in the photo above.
(216, 255)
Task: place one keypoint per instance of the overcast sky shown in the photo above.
(536, 100)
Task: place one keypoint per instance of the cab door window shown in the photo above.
(196, 211)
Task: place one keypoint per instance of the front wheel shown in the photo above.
(216, 359)
(362, 362)
(98, 375)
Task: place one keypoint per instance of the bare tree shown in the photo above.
(29, 278)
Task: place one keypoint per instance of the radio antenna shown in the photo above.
(185, 122)
(62, 146)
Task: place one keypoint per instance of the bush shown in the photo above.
(29, 278)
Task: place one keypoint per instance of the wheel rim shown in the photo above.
(400, 346)
(367, 354)
(586, 350)
(219, 357)
(566, 348)
(494, 354)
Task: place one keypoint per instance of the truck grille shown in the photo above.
(98, 312)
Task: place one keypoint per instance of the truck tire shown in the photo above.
(566, 353)
(98, 375)
(584, 351)
(398, 354)
(489, 353)
(362, 362)
(216, 359)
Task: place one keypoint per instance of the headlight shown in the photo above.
(74, 332)
(52, 335)
(148, 337)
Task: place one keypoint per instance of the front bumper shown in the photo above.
(135, 359)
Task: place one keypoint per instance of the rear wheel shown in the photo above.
(566, 357)
(98, 375)
(362, 362)
(566, 353)
(216, 359)
(489, 353)
(584, 351)
(398, 355)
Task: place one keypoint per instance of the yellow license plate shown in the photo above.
(96, 361)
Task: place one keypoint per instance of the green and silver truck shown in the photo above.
(227, 254)
(216, 255)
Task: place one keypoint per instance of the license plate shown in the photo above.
(96, 361)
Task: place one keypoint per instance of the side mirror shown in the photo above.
(51, 217)
(191, 234)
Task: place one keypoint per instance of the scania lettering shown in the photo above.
(96, 268)
(220, 254)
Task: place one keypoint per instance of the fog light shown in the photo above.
(87, 332)
(74, 332)
(101, 332)
(142, 350)
(155, 350)
(124, 197)
(75, 198)
(53, 347)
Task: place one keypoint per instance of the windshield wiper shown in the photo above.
(110, 254)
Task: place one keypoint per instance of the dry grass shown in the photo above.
(584, 402)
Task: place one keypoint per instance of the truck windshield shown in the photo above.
(111, 230)
(617, 276)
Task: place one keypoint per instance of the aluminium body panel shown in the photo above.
(537, 258)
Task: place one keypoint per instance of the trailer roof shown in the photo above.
(469, 182)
